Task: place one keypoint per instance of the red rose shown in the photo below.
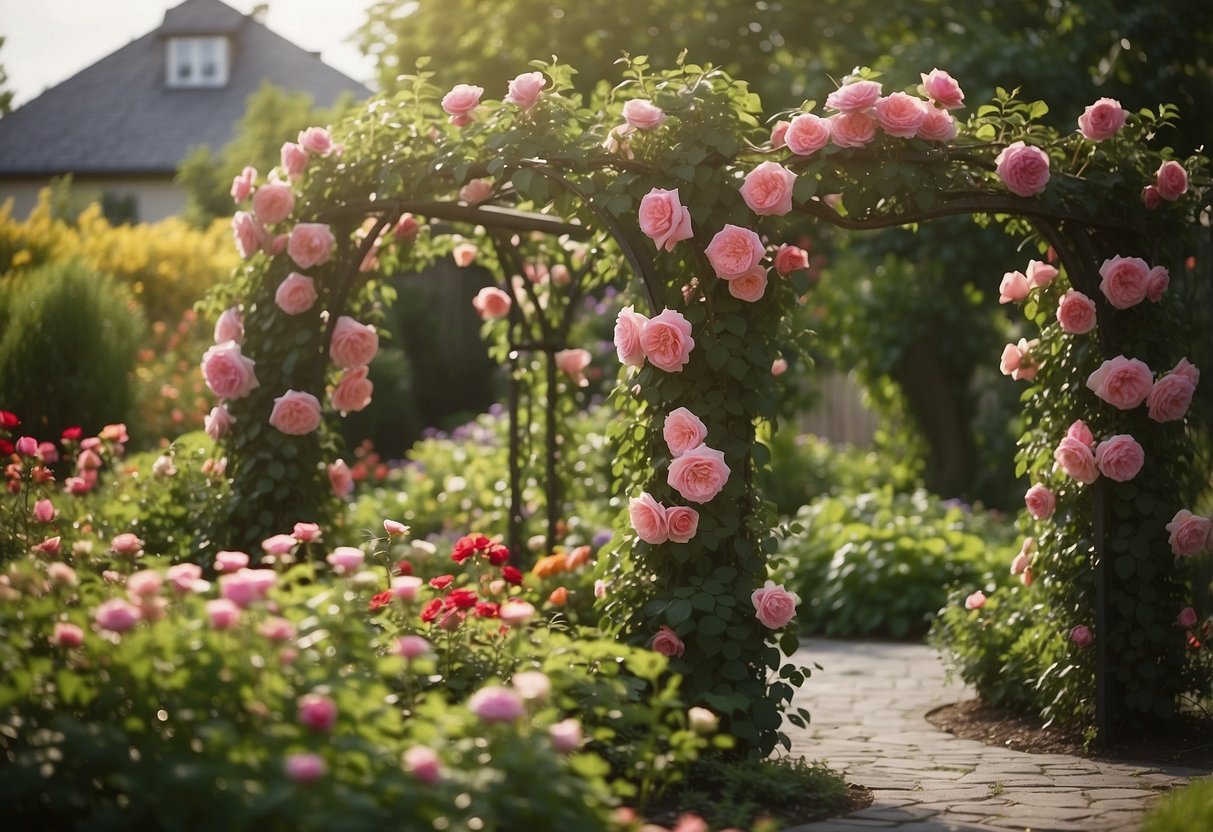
(463, 599)
(442, 581)
(381, 599)
(498, 554)
(512, 574)
(430, 611)
(10, 420)
(487, 609)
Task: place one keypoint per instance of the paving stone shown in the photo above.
(1114, 794)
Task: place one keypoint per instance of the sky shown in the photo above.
(48, 41)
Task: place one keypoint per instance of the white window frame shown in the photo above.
(187, 58)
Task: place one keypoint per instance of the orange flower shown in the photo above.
(550, 565)
(559, 597)
(578, 557)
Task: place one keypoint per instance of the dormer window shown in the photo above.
(197, 62)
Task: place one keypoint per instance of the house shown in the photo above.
(122, 126)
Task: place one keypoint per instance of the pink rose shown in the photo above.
(1185, 368)
(306, 532)
(666, 340)
(478, 190)
(1102, 120)
(317, 141)
(406, 588)
(353, 344)
(789, 259)
(273, 202)
(143, 583)
(642, 115)
(1125, 280)
(310, 244)
(1170, 398)
(1014, 287)
(184, 576)
(516, 612)
(62, 574)
(1082, 433)
(228, 373)
(699, 474)
(223, 613)
(464, 254)
(768, 189)
(1041, 502)
(296, 413)
(294, 160)
(1017, 361)
(667, 642)
(341, 481)
(44, 511)
(411, 647)
(317, 712)
(1022, 562)
(117, 615)
(422, 762)
(496, 704)
(1039, 274)
(851, 129)
(1171, 181)
(524, 90)
(66, 635)
(1076, 459)
(346, 560)
(779, 134)
(460, 102)
(406, 228)
(573, 363)
(1157, 282)
(1076, 313)
(628, 327)
(1082, 637)
(395, 528)
(27, 446)
(1119, 457)
(807, 134)
(682, 522)
(491, 303)
(942, 88)
(217, 422)
(779, 366)
(1150, 197)
(242, 185)
(230, 326)
(353, 392)
(226, 561)
(975, 601)
(937, 126)
(648, 519)
(855, 97)
(664, 219)
(682, 431)
(1122, 382)
(750, 286)
(900, 114)
(774, 606)
(565, 736)
(1023, 169)
(249, 236)
(1186, 618)
(296, 294)
(733, 251)
(304, 767)
(49, 546)
(1189, 533)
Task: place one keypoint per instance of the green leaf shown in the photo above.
(677, 612)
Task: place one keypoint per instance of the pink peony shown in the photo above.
(1102, 120)
(317, 712)
(224, 614)
(1186, 618)
(667, 643)
(900, 114)
(353, 391)
(975, 601)
(144, 582)
(249, 236)
(491, 303)
(306, 532)
(733, 251)
(242, 185)
(294, 160)
(1023, 169)
(126, 545)
(461, 102)
(1119, 457)
(496, 704)
(310, 244)
(768, 189)
(295, 413)
(807, 133)
(682, 522)
(304, 768)
(628, 327)
(525, 89)
(229, 326)
(422, 762)
(230, 561)
(346, 560)
(1076, 459)
(1039, 274)
(1171, 181)
(937, 126)
(353, 344)
(648, 519)
(66, 634)
(851, 129)
(682, 431)
(1189, 533)
(117, 615)
(1041, 502)
(789, 259)
(273, 202)
(664, 218)
(699, 474)
(1170, 398)
(184, 576)
(278, 544)
(1076, 313)
(573, 363)
(943, 89)
(341, 481)
(1157, 282)
(317, 141)
(774, 606)
(1082, 637)
(642, 115)
(296, 294)
(855, 97)
(666, 340)
(1014, 287)
(1125, 281)
(228, 373)
(1122, 382)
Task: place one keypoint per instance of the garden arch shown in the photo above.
(673, 174)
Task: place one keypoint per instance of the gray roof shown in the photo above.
(118, 117)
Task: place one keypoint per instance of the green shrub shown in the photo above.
(68, 348)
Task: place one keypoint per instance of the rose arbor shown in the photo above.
(673, 175)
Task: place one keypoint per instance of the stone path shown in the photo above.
(868, 707)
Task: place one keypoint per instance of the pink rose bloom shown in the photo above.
(460, 102)
(421, 762)
(768, 189)
(516, 612)
(407, 228)
(1014, 287)
(144, 582)
(295, 413)
(50, 546)
(628, 326)
(66, 635)
(1122, 382)
(273, 202)
(666, 340)
(749, 286)
(525, 89)
(353, 392)
(1150, 197)
(230, 326)
(1082, 637)
(126, 544)
(1189, 533)
(406, 587)
(310, 244)
(1041, 502)
(1077, 460)
(245, 586)
(1186, 618)
(228, 373)
(779, 366)
(1157, 282)
(789, 259)
(346, 559)
(353, 344)
(48, 453)
(478, 190)
(117, 615)
(1119, 457)
(249, 236)
(242, 185)
(44, 511)
(1171, 181)
(278, 544)
(1082, 433)
(648, 519)
(855, 97)
(975, 601)
(317, 712)
(496, 704)
(683, 431)
(664, 218)
(565, 736)
(779, 134)
(296, 294)
(395, 528)
(60, 573)
(573, 363)
(184, 576)
(464, 254)
(642, 115)
(1021, 563)
(1102, 120)
(491, 303)
(699, 474)
(937, 126)
(411, 647)
(1017, 361)
(294, 160)
(1039, 274)
(1125, 281)
(304, 768)
(942, 88)
(532, 685)
(223, 613)
(230, 561)
(851, 129)
(900, 114)
(1076, 313)
(774, 606)
(1170, 398)
(682, 522)
(733, 251)
(1185, 368)
(807, 134)
(1023, 169)
(341, 481)
(317, 141)
(26, 446)
(667, 643)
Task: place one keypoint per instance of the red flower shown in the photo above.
(487, 609)
(381, 599)
(512, 574)
(6, 447)
(8, 420)
(498, 554)
(430, 611)
(404, 568)
(73, 434)
(463, 599)
(442, 581)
